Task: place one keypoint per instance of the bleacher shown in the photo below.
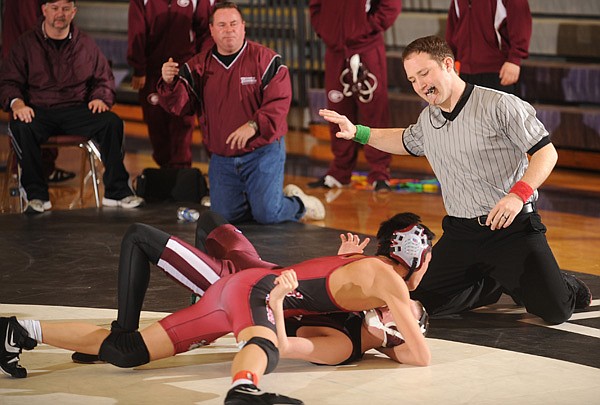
(561, 78)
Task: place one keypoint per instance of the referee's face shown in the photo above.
(430, 80)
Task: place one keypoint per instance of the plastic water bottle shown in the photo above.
(187, 214)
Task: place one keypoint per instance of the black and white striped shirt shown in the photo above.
(479, 150)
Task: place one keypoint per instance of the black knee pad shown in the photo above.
(124, 349)
(270, 350)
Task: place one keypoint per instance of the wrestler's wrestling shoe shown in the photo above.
(250, 394)
(583, 295)
(14, 338)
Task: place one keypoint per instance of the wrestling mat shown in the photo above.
(62, 266)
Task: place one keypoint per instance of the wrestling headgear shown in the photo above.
(409, 247)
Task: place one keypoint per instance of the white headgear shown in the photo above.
(409, 246)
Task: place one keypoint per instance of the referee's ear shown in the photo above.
(448, 63)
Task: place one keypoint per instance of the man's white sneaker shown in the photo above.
(37, 206)
(315, 209)
(131, 201)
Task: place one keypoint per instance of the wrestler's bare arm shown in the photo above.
(324, 346)
(394, 292)
(371, 283)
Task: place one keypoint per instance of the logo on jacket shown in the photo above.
(183, 3)
(358, 81)
(152, 98)
(245, 81)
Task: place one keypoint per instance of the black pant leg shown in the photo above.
(107, 129)
(26, 139)
(141, 246)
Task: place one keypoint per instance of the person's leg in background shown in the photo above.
(374, 112)
(345, 153)
(262, 173)
(26, 139)
(170, 135)
(107, 129)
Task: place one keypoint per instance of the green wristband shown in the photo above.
(362, 134)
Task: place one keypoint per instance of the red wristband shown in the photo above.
(523, 190)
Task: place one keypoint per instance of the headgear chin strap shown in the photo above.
(409, 246)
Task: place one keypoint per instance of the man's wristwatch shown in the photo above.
(254, 126)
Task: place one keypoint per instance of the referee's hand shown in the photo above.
(347, 129)
(503, 214)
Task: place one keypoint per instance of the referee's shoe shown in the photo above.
(14, 338)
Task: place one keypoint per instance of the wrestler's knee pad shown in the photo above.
(124, 349)
(270, 350)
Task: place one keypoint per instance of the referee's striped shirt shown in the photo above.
(479, 150)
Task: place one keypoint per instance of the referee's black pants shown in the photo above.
(471, 266)
(105, 128)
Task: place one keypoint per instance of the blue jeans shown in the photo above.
(250, 186)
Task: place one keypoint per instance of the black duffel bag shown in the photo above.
(171, 184)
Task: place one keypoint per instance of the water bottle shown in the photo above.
(187, 214)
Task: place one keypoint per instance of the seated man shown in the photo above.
(56, 81)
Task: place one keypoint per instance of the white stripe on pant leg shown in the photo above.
(177, 275)
(193, 261)
(207, 272)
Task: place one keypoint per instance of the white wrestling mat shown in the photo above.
(459, 374)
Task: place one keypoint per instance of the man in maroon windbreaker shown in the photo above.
(57, 82)
(241, 91)
(20, 16)
(158, 30)
(489, 39)
(355, 79)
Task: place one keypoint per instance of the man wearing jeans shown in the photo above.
(241, 92)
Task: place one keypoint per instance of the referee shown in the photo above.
(477, 141)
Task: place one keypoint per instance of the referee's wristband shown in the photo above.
(362, 134)
(523, 190)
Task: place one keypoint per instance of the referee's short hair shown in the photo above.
(432, 45)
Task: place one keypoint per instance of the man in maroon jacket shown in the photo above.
(355, 79)
(56, 81)
(157, 30)
(490, 38)
(19, 16)
(241, 91)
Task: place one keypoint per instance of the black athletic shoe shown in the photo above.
(14, 338)
(381, 186)
(250, 394)
(325, 182)
(83, 358)
(583, 295)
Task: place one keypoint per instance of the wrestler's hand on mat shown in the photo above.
(503, 214)
(285, 283)
(351, 244)
(347, 129)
